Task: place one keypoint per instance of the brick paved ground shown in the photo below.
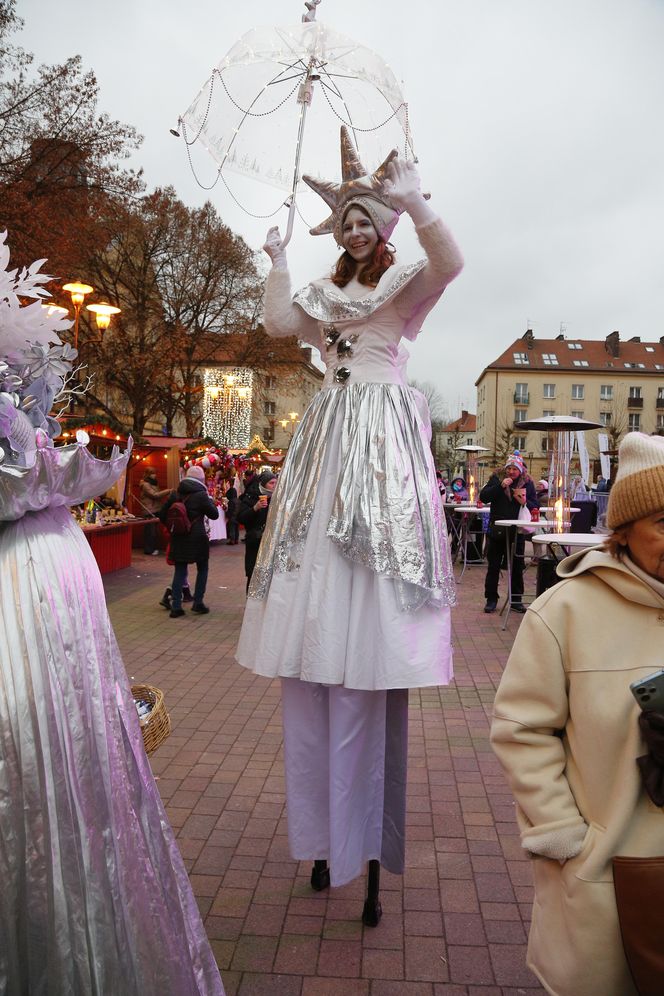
(455, 925)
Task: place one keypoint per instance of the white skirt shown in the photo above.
(353, 583)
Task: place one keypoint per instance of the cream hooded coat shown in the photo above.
(566, 731)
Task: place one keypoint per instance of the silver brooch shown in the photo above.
(330, 334)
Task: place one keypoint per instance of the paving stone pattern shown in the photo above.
(454, 925)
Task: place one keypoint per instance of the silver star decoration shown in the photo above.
(355, 182)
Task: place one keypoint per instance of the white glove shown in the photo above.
(275, 250)
(402, 186)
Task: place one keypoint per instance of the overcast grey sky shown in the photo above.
(538, 125)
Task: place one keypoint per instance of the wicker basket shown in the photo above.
(156, 726)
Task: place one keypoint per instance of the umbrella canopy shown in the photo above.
(559, 423)
(249, 114)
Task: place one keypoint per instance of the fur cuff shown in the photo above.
(440, 247)
(560, 844)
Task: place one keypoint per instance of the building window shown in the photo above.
(270, 383)
(635, 392)
(660, 421)
(576, 414)
(521, 359)
(659, 366)
(550, 359)
(605, 418)
(549, 391)
(606, 392)
(580, 363)
(634, 422)
(577, 392)
(545, 444)
(574, 345)
(548, 412)
(635, 366)
(650, 349)
(519, 443)
(469, 441)
(521, 394)
(660, 393)
(520, 415)
(270, 408)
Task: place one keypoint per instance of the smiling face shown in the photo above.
(644, 540)
(359, 237)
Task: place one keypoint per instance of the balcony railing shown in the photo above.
(635, 402)
(659, 403)
(521, 399)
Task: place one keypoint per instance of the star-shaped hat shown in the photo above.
(366, 190)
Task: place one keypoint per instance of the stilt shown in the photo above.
(372, 911)
(320, 876)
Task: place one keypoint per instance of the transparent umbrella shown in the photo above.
(273, 106)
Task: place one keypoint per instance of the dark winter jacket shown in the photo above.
(503, 504)
(231, 498)
(253, 522)
(193, 546)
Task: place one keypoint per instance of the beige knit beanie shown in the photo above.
(638, 489)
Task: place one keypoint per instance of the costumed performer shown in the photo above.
(95, 897)
(349, 602)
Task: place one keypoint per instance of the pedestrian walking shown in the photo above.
(189, 542)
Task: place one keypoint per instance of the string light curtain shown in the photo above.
(227, 404)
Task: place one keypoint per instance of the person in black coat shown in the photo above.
(252, 514)
(192, 547)
(232, 529)
(507, 496)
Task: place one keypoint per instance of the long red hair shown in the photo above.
(381, 260)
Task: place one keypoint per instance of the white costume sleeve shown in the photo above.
(444, 263)
(283, 318)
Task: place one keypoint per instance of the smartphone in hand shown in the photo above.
(649, 692)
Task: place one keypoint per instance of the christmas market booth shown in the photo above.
(113, 522)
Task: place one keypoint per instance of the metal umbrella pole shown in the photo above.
(304, 99)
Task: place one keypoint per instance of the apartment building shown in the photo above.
(617, 383)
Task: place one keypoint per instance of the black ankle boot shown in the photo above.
(166, 600)
(320, 876)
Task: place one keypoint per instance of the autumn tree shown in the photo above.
(185, 283)
(60, 158)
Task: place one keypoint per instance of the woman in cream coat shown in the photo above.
(566, 731)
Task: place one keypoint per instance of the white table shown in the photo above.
(466, 512)
(569, 541)
(217, 527)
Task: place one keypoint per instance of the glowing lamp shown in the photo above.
(54, 309)
(78, 292)
(103, 313)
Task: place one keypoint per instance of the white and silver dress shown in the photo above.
(94, 896)
(353, 584)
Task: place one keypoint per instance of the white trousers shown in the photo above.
(345, 757)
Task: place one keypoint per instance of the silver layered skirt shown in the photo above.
(386, 511)
(353, 583)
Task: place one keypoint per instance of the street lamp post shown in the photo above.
(291, 421)
(78, 292)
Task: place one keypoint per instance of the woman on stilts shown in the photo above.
(349, 603)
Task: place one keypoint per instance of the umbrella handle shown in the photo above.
(291, 220)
